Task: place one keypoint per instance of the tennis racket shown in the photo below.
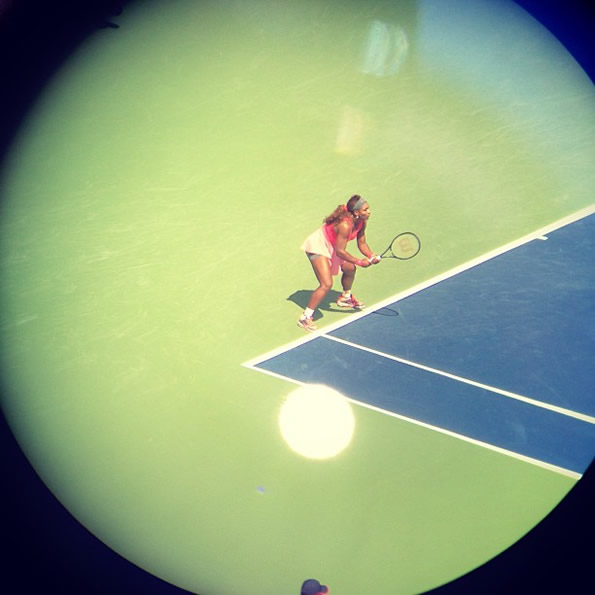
(403, 247)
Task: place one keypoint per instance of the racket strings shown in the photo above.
(404, 246)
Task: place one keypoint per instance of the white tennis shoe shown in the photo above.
(307, 323)
(350, 302)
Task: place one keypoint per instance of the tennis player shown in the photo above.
(326, 249)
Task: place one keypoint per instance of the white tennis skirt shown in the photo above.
(318, 243)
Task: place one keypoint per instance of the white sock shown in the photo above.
(308, 312)
(347, 293)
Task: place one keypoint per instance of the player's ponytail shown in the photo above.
(339, 213)
(342, 210)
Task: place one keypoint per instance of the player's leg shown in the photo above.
(347, 300)
(322, 270)
(348, 276)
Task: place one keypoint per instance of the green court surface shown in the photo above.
(155, 201)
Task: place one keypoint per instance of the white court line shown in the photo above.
(510, 453)
(538, 234)
(555, 408)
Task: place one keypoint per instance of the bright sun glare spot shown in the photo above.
(316, 421)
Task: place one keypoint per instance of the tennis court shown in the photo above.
(154, 202)
(499, 353)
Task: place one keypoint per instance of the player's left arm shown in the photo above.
(363, 245)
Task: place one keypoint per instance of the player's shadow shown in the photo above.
(302, 296)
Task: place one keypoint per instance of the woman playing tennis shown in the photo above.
(326, 249)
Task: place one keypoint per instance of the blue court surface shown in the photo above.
(499, 353)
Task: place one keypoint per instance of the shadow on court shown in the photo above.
(328, 304)
(386, 311)
(302, 296)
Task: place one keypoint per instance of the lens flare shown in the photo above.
(316, 421)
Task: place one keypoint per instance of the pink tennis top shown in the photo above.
(331, 234)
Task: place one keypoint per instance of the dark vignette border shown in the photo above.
(45, 549)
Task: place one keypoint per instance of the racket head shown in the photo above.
(404, 246)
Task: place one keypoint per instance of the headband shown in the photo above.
(359, 204)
